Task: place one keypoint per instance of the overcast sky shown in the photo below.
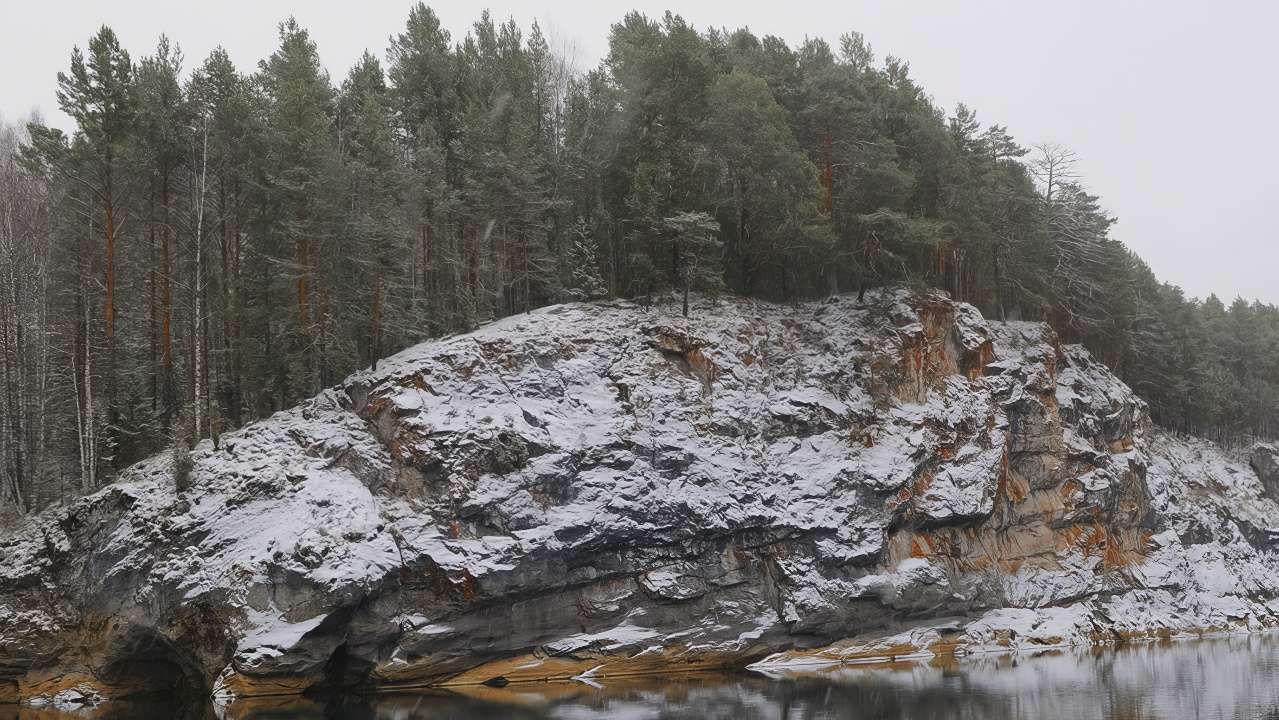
(1170, 104)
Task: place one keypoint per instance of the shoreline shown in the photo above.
(596, 666)
(593, 672)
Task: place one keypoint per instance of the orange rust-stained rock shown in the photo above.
(1123, 444)
(49, 685)
(688, 349)
(702, 367)
(932, 352)
(1022, 531)
(243, 685)
(920, 546)
(1069, 489)
(922, 481)
(974, 364)
(1010, 489)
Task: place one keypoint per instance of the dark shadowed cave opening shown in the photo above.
(343, 674)
(143, 662)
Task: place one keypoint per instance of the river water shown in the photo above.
(1233, 677)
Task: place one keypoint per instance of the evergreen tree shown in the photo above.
(695, 253)
(163, 121)
(585, 281)
(371, 287)
(769, 188)
(298, 169)
(232, 114)
(204, 254)
(99, 95)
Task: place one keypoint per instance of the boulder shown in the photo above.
(1264, 460)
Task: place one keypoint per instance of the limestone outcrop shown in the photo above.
(608, 489)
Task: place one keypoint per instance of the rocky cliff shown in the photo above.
(604, 489)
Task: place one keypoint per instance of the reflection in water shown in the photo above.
(1224, 678)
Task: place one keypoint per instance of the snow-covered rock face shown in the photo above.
(608, 489)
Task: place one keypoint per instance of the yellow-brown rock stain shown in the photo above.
(531, 667)
(1023, 529)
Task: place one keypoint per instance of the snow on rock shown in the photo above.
(80, 697)
(609, 488)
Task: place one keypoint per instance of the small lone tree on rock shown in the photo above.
(585, 281)
(183, 464)
(697, 254)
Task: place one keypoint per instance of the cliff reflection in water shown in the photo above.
(1225, 678)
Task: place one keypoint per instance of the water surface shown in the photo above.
(1235, 677)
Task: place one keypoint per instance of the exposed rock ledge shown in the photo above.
(605, 489)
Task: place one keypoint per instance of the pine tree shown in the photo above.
(769, 187)
(222, 96)
(99, 95)
(163, 121)
(423, 93)
(299, 167)
(373, 228)
(696, 253)
(583, 263)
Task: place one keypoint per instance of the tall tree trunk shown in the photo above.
(198, 331)
(236, 282)
(426, 255)
(743, 237)
(321, 317)
(19, 404)
(166, 298)
(301, 253)
(999, 282)
(82, 382)
(109, 372)
(153, 304)
(109, 310)
(376, 330)
(225, 256)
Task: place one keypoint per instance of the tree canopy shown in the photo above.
(207, 247)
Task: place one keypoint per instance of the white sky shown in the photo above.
(1170, 104)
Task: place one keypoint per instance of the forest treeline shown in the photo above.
(213, 243)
